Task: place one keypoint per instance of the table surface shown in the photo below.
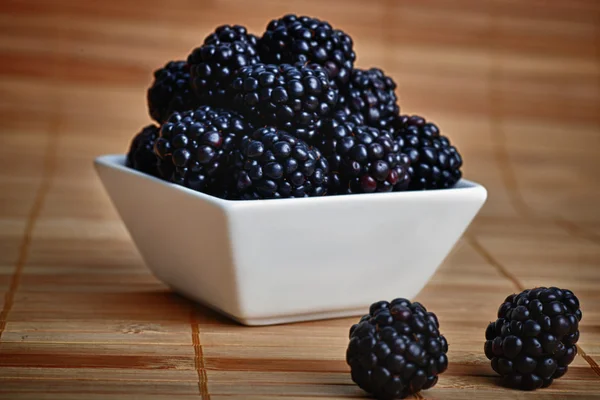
(516, 86)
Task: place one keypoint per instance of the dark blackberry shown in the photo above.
(194, 146)
(340, 120)
(170, 91)
(533, 340)
(213, 67)
(345, 115)
(308, 40)
(230, 34)
(362, 159)
(274, 164)
(396, 350)
(141, 155)
(371, 94)
(289, 97)
(435, 163)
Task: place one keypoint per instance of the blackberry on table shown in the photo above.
(290, 97)
(170, 91)
(140, 155)
(370, 93)
(396, 350)
(271, 163)
(303, 39)
(533, 340)
(363, 159)
(194, 146)
(230, 34)
(213, 67)
(435, 163)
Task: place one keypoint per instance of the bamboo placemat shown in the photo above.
(516, 86)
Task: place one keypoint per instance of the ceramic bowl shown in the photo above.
(264, 262)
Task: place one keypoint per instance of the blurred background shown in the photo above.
(515, 85)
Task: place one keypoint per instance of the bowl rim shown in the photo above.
(118, 161)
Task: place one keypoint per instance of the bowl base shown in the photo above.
(359, 312)
(279, 319)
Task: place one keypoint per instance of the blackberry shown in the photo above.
(371, 94)
(308, 40)
(194, 146)
(170, 91)
(141, 155)
(342, 115)
(533, 340)
(274, 164)
(230, 34)
(213, 67)
(289, 97)
(435, 163)
(363, 159)
(396, 350)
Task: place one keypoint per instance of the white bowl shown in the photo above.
(265, 262)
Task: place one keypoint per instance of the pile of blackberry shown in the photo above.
(297, 80)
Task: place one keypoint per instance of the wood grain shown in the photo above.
(516, 86)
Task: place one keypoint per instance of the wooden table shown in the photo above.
(516, 86)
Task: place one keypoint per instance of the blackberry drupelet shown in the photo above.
(213, 67)
(170, 91)
(289, 97)
(435, 163)
(274, 164)
(396, 350)
(362, 159)
(140, 155)
(533, 340)
(230, 34)
(194, 146)
(371, 94)
(308, 40)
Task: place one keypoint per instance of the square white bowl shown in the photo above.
(264, 262)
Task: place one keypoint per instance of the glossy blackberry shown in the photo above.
(345, 115)
(371, 94)
(170, 91)
(230, 34)
(435, 163)
(363, 159)
(289, 97)
(340, 120)
(213, 67)
(308, 40)
(274, 164)
(140, 155)
(533, 340)
(396, 350)
(194, 147)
